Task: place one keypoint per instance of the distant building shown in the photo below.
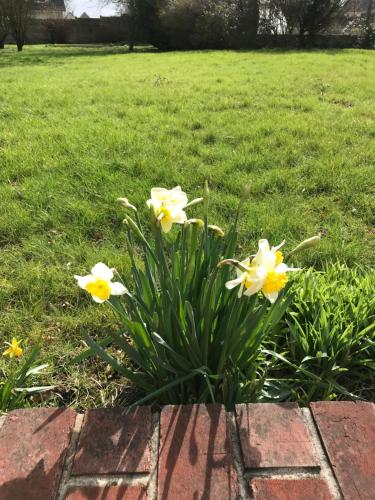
(84, 15)
(49, 9)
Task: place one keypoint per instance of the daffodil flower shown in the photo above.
(266, 272)
(168, 206)
(14, 349)
(99, 283)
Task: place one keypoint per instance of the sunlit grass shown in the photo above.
(80, 127)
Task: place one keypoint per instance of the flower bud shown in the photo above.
(195, 222)
(206, 195)
(125, 203)
(216, 230)
(233, 262)
(309, 243)
(194, 202)
(132, 225)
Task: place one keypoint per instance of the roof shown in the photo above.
(49, 5)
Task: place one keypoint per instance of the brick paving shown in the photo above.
(261, 451)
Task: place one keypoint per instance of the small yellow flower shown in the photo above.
(14, 349)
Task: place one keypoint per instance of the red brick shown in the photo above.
(290, 489)
(195, 457)
(348, 433)
(114, 441)
(33, 445)
(274, 435)
(107, 493)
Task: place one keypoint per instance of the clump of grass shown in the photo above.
(327, 347)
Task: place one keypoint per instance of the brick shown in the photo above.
(114, 441)
(348, 433)
(33, 445)
(290, 489)
(195, 456)
(274, 435)
(107, 493)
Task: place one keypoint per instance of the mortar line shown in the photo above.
(244, 491)
(136, 479)
(70, 456)
(283, 472)
(152, 489)
(326, 471)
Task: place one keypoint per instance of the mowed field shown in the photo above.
(80, 127)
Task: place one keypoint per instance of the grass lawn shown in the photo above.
(80, 127)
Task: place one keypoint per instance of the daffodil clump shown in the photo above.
(191, 331)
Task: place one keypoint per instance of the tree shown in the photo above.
(184, 24)
(318, 15)
(18, 14)
(248, 21)
(142, 20)
(369, 39)
(305, 17)
(4, 26)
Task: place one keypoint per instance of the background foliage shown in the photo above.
(186, 24)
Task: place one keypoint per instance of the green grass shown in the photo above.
(80, 127)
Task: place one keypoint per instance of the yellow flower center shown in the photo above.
(279, 258)
(99, 288)
(166, 213)
(274, 282)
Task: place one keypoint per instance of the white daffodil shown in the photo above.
(168, 206)
(99, 283)
(266, 272)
